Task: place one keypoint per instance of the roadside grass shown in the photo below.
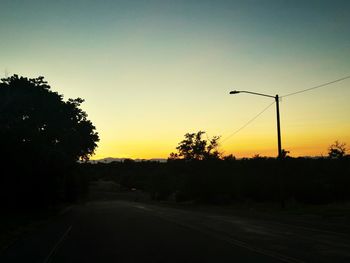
(292, 208)
(328, 210)
(333, 211)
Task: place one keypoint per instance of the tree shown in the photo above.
(193, 147)
(35, 121)
(284, 154)
(41, 135)
(229, 157)
(337, 150)
(257, 156)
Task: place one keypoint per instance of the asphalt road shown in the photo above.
(126, 231)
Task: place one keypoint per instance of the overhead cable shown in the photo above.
(247, 123)
(316, 87)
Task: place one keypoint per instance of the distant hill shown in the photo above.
(111, 159)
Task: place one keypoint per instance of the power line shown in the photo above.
(316, 87)
(247, 123)
(290, 94)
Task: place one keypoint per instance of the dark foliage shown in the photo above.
(41, 137)
(337, 150)
(194, 147)
(303, 180)
(197, 174)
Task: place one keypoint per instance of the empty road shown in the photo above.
(125, 231)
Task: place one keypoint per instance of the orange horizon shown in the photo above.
(301, 151)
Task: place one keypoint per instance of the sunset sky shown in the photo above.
(152, 70)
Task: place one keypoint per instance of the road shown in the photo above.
(126, 231)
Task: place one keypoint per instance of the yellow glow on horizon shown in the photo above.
(308, 145)
(151, 71)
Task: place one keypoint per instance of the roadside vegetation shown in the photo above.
(296, 180)
(42, 137)
(198, 173)
(46, 143)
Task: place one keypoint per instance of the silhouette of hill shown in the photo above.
(112, 159)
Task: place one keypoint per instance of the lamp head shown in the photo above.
(234, 92)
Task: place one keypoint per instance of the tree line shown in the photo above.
(303, 180)
(42, 137)
(199, 173)
(46, 142)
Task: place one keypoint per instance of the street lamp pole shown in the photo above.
(278, 128)
(278, 115)
(281, 183)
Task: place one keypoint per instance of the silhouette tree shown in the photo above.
(229, 157)
(36, 120)
(337, 150)
(284, 154)
(193, 147)
(40, 132)
(257, 156)
(173, 156)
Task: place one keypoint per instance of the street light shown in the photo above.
(278, 135)
(278, 115)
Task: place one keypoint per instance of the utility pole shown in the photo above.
(278, 128)
(279, 142)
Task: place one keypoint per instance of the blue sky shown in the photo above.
(151, 71)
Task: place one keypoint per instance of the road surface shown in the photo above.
(126, 231)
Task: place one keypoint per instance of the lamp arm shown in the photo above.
(255, 93)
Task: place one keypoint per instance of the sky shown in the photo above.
(152, 70)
